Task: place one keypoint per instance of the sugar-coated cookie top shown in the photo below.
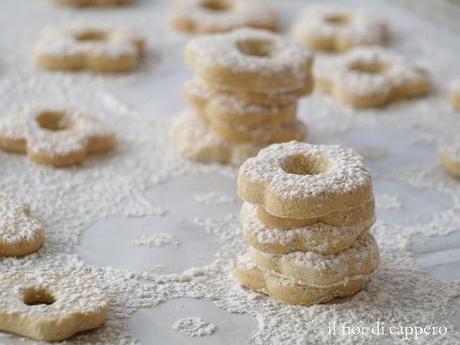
(252, 50)
(16, 224)
(80, 38)
(295, 170)
(369, 70)
(326, 21)
(71, 129)
(69, 293)
(229, 15)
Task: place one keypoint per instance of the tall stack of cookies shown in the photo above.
(244, 95)
(306, 217)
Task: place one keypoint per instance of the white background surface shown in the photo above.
(156, 90)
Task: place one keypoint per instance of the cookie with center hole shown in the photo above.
(20, 233)
(338, 29)
(250, 60)
(54, 136)
(50, 306)
(91, 47)
(211, 16)
(300, 180)
(370, 77)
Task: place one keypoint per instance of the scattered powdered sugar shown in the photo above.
(70, 200)
(214, 198)
(155, 240)
(388, 202)
(194, 326)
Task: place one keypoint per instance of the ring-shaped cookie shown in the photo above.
(210, 16)
(317, 269)
(337, 29)
(370, 77)
(250, 60)
(318, 237)
(50, 306)
(300, 180)
(54, 136)
(96, 48)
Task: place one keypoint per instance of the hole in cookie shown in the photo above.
(305, 165)
(91, 35)
(258, 48)
(216, 5)
(52, 120)
(337, 19)
(38, 296)
(368, 68)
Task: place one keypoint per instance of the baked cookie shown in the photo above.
(455, 94)
(250, 60)
(449, 155)
(89, 3)
(225, 108)
(263, 135)
(288, 290)
(318, 237)
(50, 306)
(370, 77)
(300, 180)
(210, 16)
(193, 139)
(337, 29)
(56, 137)
(317, 269)
(94, 48)
(20, 233)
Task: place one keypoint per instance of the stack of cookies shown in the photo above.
(307, 214)
(244, 95)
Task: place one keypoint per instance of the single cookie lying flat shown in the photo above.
(210, 16)
(337, 29)
(50, 306)
(20, 234)
(318, 237)
(288, 290)
(370, 77)
(95, 48)
(57, 137)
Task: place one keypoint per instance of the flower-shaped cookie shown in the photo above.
(20, 234)
(210, 16)
(369, 77)
(97, 48)
(300, 180)
(56, 137)
(50, 306)
(334, 28)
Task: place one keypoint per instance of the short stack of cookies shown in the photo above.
(307, 214)
(244, 95)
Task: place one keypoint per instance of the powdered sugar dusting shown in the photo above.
(194, 326)
(155, 240)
